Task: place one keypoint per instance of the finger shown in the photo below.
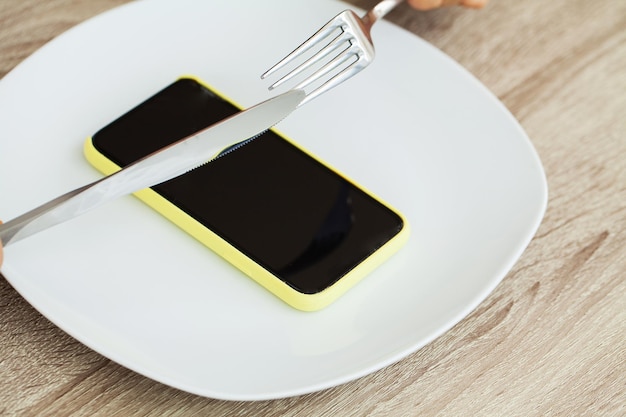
(425, 4)
(474, 4)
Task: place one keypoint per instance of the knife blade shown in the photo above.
(160, 166)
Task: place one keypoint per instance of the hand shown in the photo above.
(433, 4)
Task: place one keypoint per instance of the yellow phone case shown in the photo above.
(296, 299)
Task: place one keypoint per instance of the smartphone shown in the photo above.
(271, 208)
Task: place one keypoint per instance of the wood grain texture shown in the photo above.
(550, 340)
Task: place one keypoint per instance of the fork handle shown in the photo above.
(378, 11)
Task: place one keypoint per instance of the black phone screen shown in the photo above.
(282, 208)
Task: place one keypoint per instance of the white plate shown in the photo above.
(414, 127)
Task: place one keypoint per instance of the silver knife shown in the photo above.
(163, 165)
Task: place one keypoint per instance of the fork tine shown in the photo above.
(342, 76)
(328, 67)
(333, 46)
(324, 32)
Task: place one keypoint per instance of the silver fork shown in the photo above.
(340, 49)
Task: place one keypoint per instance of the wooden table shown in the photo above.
(550, 340)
